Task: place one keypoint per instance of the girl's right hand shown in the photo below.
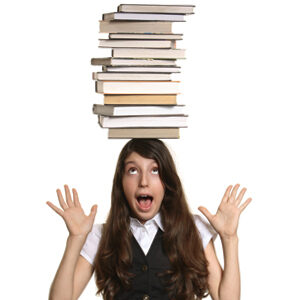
(77, 222)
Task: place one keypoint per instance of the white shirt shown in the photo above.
(144, 234)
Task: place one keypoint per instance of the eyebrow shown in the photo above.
(133, 162)
(129, 162)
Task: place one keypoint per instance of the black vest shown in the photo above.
(146, 285)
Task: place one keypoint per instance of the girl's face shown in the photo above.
(142, 186)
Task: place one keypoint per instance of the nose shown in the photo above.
(143, 180)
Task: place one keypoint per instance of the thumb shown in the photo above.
(93, 212)
(206, 212)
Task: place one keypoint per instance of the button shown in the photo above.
(144, 268)
(146, 297)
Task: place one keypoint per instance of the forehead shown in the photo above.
(135, 158)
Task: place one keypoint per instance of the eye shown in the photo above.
(155, 171)
(132, 171)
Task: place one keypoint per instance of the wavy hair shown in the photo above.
(187, 278)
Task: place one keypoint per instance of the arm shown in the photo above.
(225, 285)
(74, 271)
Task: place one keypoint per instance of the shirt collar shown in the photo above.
(156, 219)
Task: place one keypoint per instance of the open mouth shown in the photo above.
(144, 201)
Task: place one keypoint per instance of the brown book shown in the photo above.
(140, 99)
(158, 133)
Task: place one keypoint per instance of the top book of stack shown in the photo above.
(149, 8)
(144, 18)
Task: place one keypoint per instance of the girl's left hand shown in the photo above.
(226, 220)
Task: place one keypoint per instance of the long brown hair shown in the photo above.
(181, 241)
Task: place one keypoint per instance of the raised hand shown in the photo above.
(226, 220)
(77, 222)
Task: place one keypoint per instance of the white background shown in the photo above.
(240, 82)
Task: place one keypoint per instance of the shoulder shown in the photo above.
(205, 230)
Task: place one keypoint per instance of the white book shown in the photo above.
(118, 16)
(111, 61)
(130, 76)
(152, 8)
(142, 69)
(142, 121)
(135, 44)
(137, 87)
(148, 53)
(141, 36)
(139, 110)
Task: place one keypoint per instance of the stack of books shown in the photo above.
(139, 93)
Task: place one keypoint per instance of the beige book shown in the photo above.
(140, 99)
(148, 53)
(140, 36)
(158, 133)
(142, 69)
(135, 27)
(105, 43)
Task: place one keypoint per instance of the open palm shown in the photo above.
(226, 219)
(76, 221)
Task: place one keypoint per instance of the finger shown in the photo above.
(76, 198)
(93, 212)
(240, 196)
(233, 193)
(206, 213)
(55, 208)
(61, 200)
(68, 196)
(226, 194)
(245, 204)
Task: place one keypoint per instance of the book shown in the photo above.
(105, 43)
(136, 69)
(135, 27)
(139, 110)
(150, 8)
(111, 61)
(148, 53)
(118, 16)
(142, 121)
(137, 87)
(158, 133)
(166, 99)
(131, 76)
(145, 36)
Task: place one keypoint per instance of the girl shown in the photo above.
(151, 246)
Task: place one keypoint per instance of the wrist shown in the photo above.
(229, 238)
(77, 238)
